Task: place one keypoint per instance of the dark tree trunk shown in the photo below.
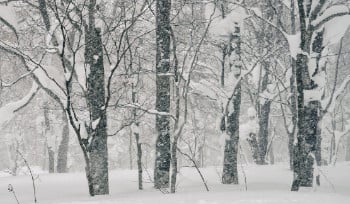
(263, 116)
(174, 167)
(290, 150)
(139, 159)
(308, 113)
(162, 161)
(308, 116)
(318, 150)
(230, 173)
(97, 170)
(62, 155)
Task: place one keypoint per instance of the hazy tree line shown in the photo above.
(188, 73)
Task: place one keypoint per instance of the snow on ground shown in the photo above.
(266, 184)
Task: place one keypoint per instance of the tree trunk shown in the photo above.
(139, 159)
(173, 167)
(293, 91)
(263, 130)
(137, 138)
(347, 154)
(290, 149)
(311, 43)
(130, 149)
(49, 148)
(162, 161)
(308, 116)
(51, 154)
(62, 155)
(97, 170)
(230, 173)
(254, 147)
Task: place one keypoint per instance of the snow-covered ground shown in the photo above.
(266, 184)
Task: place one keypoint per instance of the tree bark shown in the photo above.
(230, 172)
(97, 170)
(264, 113)
(308, 113)
(137, 138)
(139, 159)
(162, 161)
(62, 155)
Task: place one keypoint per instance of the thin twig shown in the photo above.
(11, 189)
(31, 174)
(195, 165)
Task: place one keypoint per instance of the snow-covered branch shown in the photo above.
(8, 111)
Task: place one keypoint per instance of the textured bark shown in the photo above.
(62, 154)
(174, 167)
(308, 114)
(263, 115)
(230, 172)
(162, 161)
(97, 170)
(307, 130)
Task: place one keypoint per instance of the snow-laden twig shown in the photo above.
(150, 111)
(7, 111)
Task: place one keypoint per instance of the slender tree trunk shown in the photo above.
(62, 155)
(162, 161)
(174, 167)
(139, 159)
(347, 154)
(130, 149)
(49, 148)
(51, 154)
(137, 138)
(264, 113)
(254, 147)
(264, 131)
(293, 91)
